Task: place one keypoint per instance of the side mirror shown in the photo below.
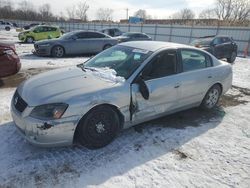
(143, 88)
(74, 37)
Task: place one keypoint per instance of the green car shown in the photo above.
(40, 32)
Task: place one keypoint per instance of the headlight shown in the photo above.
(49, 111)
(43, 45)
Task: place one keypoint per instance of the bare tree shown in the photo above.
(233, 10)
(104, 14)
(241, 10)
(45, 11)
(207, 14)
(142, 14)
(81, 10)
(71, 11)
(184, 14)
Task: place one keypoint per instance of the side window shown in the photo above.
(95, 35)
(164, 64)
(226, 40)
(82, 35)
(217, 41)
(193, 60)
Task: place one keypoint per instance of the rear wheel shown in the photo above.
(212, 97)
(58, 51)
(29, 39)
(98, 128)
(7, 28)
(232, 58)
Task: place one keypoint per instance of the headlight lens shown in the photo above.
(49, 111)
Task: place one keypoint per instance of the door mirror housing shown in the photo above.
(143, 88)
(74, 37)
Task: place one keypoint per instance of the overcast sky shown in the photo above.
(156, 8)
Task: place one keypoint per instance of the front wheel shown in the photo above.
(7, 28)
(57, 51)
(232, 57)
(29, 39)
(211, 98)
(98, 128)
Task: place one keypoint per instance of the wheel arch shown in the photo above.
(55, 45)
(114, 107)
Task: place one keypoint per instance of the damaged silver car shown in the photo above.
(123, 86)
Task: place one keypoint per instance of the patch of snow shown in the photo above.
(210, 152)
(106, 74)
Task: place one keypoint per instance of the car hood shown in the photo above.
(47, 41)
(61, 85)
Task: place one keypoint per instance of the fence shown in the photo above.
(171, 33)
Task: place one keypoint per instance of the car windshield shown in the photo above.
(122, 59)
(202, 42)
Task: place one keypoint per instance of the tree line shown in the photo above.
(229, 10)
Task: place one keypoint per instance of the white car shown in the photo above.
(5, 25)
(122, 86)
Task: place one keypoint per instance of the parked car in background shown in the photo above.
(75, 43)
(113, 32)
(220, 46)
(9, 60)
(122, 86)
(40, 32)
(6, 25)
(133, 36)
(26, 27)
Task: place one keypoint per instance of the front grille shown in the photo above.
(19, 103)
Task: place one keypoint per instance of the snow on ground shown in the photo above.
(187, 149)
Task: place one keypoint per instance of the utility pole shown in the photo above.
(127, 12)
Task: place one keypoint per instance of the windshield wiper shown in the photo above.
(84, 68)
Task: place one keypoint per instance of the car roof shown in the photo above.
(153, 45)
(214, 36)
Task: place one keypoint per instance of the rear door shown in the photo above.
(95, 41)
(196, 76)
(218, 47)
(160, 76)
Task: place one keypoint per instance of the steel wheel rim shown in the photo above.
(99, 128)
(59, 52)
(212, 98)
(29, 40)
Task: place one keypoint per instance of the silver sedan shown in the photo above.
(125, 85)
(75, 43)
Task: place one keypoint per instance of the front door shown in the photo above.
(160, 76)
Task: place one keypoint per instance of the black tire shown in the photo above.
(57, 51)
(107, 46)
(7, 28)
(98, 128)
(211, 98)
(29, 40)
(232, 57)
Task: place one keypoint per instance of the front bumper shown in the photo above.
(42, 51)
(60, 134)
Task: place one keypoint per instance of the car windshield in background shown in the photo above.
(202, 42)
(124, 60)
